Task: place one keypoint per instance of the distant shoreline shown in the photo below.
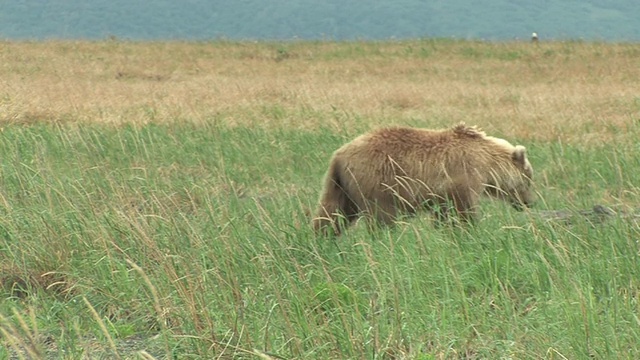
(308, 41)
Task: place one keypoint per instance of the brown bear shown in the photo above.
(400, 170)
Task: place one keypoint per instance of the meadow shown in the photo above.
(155, 200)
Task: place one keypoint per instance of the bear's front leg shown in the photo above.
(465, 202)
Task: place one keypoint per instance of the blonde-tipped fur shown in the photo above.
(401, 170)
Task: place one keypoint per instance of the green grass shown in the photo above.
(192, 241)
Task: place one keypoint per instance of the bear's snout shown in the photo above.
(520, 205)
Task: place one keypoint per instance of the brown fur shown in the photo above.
(399, 170)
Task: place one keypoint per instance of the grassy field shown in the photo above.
(155, 199)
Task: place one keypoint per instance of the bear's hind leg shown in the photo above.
(381, 212)
(335, 215)
(324, 221)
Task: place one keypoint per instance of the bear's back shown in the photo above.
(403, 140)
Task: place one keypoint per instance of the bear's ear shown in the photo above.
(520, 154)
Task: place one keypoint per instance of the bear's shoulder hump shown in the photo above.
(468, 131)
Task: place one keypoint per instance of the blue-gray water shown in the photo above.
(327, 19)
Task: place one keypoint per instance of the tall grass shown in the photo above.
(145, 217)
(195, 241)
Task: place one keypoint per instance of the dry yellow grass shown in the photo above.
(573, 92)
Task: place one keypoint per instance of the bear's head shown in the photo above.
(513, 182)
(523, 194)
